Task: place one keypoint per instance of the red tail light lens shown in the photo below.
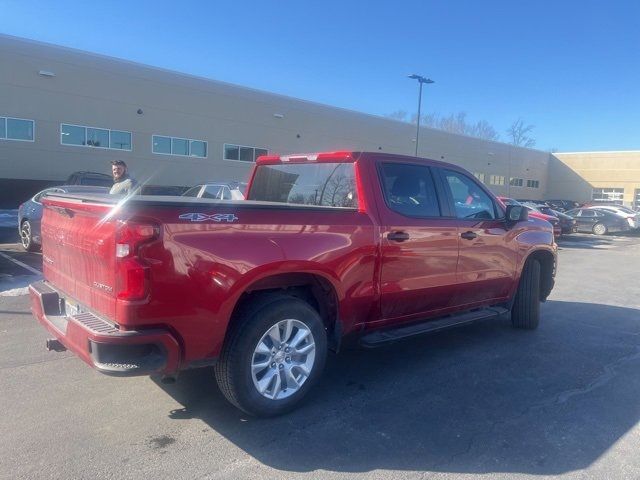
(132, 280)
(133, 275)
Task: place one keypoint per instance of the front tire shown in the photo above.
(525, 312)
(273, 356)
(599, 229)
(26, 237)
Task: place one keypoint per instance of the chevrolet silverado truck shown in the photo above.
(327, 248)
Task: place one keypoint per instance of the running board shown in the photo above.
(378, 338)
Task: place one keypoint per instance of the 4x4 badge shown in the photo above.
(202, 217)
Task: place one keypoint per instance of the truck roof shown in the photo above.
(345, 156)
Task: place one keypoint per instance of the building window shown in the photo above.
(496, 180)
(533, 183)
(180, 146)
(80, 136)
(16, 129)
(479, 176)
(516, 182)
(185, 147)
(610, 195)
(242, 153)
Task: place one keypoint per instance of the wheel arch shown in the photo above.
(313, 288)
(547, 262)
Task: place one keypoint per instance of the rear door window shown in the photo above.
(192, 192)
(225, 194)
(470, 200)
(409, 190)
(212, 191)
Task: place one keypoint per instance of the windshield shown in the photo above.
(322, 184)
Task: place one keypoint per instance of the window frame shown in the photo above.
(516, 182)
(189, 140)
(499, 214)
(498, 184)
(6, 129)
(443, 206)
(614, 194)
(224, 147)
(109, 130)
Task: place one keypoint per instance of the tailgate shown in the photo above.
(78, 251)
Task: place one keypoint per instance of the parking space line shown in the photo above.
(20, 264)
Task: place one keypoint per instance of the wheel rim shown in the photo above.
(283, 359)
(599, 229)
(25, 234)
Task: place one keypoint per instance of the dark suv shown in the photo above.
(90, 178)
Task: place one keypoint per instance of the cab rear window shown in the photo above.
(321, 184)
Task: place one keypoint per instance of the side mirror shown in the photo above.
(517, 213)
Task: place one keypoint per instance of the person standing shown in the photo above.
(123, 184)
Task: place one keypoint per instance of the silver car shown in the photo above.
(30, 213)
(219, 190)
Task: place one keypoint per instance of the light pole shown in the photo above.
(420, 80)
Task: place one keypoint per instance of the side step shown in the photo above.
(378, 338)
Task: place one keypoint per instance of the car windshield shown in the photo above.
(97, 181)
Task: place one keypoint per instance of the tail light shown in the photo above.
(132, 273)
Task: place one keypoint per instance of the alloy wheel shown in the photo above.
(283, 359)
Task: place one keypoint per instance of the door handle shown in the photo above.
(398, 236)
(468, 235)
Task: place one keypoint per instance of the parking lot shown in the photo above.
(481, 399)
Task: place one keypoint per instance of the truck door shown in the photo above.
(486, 263)
(419, 245)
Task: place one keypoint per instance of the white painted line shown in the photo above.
(20, 264)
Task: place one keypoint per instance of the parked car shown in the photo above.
(532, 202)
(327, 248)
(562, 205)
(30, 213)
(534, 212)
(599, 222)
(90, 178)
(218, 190)
(568, 224)
(632, 217)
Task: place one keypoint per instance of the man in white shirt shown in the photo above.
(123, 184)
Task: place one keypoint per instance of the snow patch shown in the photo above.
(15, 292)
(14, 286)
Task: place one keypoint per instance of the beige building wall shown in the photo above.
(574, 176)
(97, 91)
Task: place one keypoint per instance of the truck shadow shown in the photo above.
(478, 399)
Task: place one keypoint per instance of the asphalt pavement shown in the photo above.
(484, 399)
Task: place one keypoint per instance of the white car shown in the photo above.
(221, 190)
(631, 216)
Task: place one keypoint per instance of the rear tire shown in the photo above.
(525, 312)
(26, 237)
(599, 229)
(252, 360)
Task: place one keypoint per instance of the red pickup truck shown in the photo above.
(327, 248)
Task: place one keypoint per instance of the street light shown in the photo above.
(420, 80)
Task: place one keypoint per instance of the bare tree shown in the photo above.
(400, 115)
(453, 123)
(520, 134)
(483, 129)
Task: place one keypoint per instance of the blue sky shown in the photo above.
(571, 68)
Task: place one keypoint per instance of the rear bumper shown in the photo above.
(101, 344)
